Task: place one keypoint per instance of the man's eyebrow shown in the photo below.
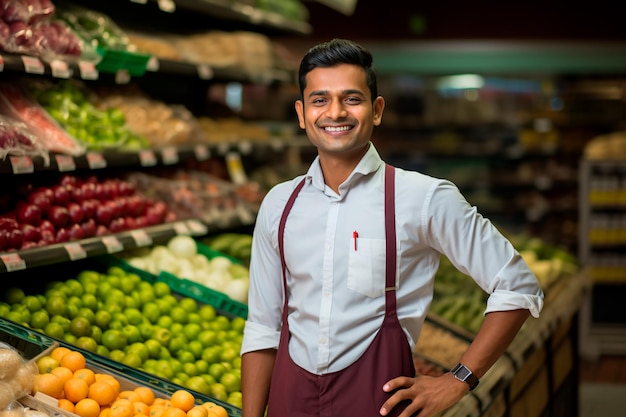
(345, 92)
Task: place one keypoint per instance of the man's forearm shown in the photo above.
(496, 334)
(256, 374)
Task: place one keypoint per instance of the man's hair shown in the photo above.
(336, 52)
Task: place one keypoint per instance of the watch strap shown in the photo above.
(462, 373)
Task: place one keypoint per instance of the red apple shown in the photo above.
(75, 232)
(89, 208)
(102, 230)
(16, 238)
(4, 239)
(28, 213)
(41, 198)
(75, 212)
(69, 179)
(48, 237)
(46, 225)
(58, 216)
(104, 213)
(61, 195)
(30, 232)
(89, 228)
(8, 223)
(87, 189)
(62, 235)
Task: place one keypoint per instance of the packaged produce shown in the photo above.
(94, 27)
(14, 102)
(69, 103)
(17, 139)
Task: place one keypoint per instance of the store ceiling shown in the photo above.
(488, 36)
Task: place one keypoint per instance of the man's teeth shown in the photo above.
(337, 129)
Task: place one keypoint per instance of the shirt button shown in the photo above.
(326, 293)
(323, 340)
(334, 204)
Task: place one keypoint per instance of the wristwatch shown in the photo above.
(462, 373)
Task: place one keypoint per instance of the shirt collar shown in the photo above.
(370, 163)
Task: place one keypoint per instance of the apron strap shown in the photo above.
(281, 243)
(390, 239)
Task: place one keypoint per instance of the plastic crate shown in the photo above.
(31, 345)
(113, 61)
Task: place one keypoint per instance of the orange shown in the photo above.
(87, 408)
(146, 394)
(48, 384)
(86, 374)
(174, 412)
(63, 373)
(104, 411)
(156, 410)
(59, 352)
(75, 389)
(73, 360)
(102, 392)
(183, 399)
(132, 396)
(109, 379)
(215, 410)
(198, 411)
(122, 408)
(66, 405)
(162, 402)
(141, 408)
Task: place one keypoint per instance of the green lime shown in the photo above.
(133, 315)
(32, 303)
(102, 318)
(90, 301)
(117, 355)
(132, 359)
(190, 368)
(69, 338)
(192, 330)
(216, 370)
(231, 381)
(55, 330)
(63, 321)
(74, 287)
(165, 321)
(140, 349)
(14, 295)
(114, 339)
(87, 313)
(179, 314)
(115, 271)
(87, 343)
(184, 356)
(151, 311)
(132, 333)
(194, 317)
(219, 391)
(161, 289)
(207, 312)
(80, 326)
(162, 335)
(39, 319)
(237, 324)
(198, 384)
(96, 333)
(196, 348)
(56, 305)
(154, 348)
(188, 304)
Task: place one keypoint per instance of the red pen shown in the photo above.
(355, 235)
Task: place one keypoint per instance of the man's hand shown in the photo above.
(428, 395)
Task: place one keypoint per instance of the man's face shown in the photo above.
(337, 110)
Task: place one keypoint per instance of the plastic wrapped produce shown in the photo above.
(14, 102)
(17, 139)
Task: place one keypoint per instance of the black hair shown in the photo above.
(336, 52)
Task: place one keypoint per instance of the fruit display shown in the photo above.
(94, 27)
(17, 375)
(68, 103)
(235, 245)
(88, 391)
(197, 195)
(135, 322)
(15, 103)
(17, 139)
(72, 208)
(30, 27)
(183, 257)
(459, 300)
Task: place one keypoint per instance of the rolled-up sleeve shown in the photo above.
(477, 248)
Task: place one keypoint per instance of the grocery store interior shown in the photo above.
(138, 139)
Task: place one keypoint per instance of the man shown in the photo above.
(343, 260)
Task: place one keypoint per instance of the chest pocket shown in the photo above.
(366, 267)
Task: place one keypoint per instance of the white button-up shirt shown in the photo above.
(336, 289)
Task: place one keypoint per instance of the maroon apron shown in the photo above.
(356, 390)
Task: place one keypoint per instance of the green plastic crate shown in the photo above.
(113, 61)
(31, 345)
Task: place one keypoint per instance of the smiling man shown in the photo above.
(343, 262)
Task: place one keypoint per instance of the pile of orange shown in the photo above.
(86, 393)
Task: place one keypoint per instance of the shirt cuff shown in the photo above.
(258, 337)
(508, 300)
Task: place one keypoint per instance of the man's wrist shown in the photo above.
(463, 373)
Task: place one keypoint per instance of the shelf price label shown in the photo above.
(167, 6)
(65, 163)
(22, 164)
(112, 244)
(75, 251)
(32, 65)
(147, 158)
(181, 228)
(204, 72)
(197, 227)
(235, 168)
(141, 238)
(169, 155)
(88, 70)
(60, 69)
(96, 160)
(13, 262)
(201, 152)
(153, 64)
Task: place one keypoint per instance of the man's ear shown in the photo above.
(379, 106)
(300, 111)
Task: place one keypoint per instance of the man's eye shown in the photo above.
(318, 101)
(353, 100)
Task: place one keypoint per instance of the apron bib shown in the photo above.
(357, 389)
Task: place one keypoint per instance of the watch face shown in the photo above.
(462, 373)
